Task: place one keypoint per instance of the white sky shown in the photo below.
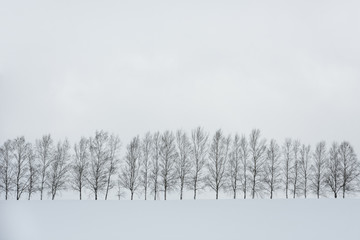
(71, 67)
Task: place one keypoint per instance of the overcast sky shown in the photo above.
(71, 67)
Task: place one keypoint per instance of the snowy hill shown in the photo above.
(201, 219)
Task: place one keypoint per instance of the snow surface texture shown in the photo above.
(201, 219)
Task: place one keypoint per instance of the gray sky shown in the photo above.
(71, 67)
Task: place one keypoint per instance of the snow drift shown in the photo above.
(201, 219)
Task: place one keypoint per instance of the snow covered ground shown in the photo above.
(188, 219)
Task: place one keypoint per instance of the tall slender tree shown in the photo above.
(99, 156)
(333, 172)
(183, 163)
(80, 165)
(33, 173)
(218, 156)
(7, 170)
(234, 166)
(350, 168)
(21, 151)
(112, 162)
(305, 166)
(155, 163)
(257, 149)
(44, 151)
(272, 170)
(295, 168)
(198, 155)
(319, 169)
(59, 167)
(244, 158)
(168, 157)
(287, 166)
(130, 174)
(146, 151)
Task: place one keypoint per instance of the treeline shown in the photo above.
(159, 163)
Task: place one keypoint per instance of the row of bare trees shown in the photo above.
(165, 162)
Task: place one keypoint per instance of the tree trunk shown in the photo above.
(41, 191)
(195, 189)
(181, 192)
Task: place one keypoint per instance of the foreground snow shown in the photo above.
(201, 219)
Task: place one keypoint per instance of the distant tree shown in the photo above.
(155, 163)
(80, 166)
(287, 166)
(218, 156)
(272, 176)
(33, 173)
(319, 169)
(59, 167)
(168, 157)
(295, 168)
(198, 156)
(257, 149)
(112, 162)
(305, 166)
(99, 156)
(21, 151)
(333, 172)
(130, 174)
(244, 158)
(146, 151)
(234, 166)
(350, 168)
(183, 163)
(7, 168)
(44, 151)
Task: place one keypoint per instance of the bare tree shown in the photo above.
(168, 157)
(59, 167)
(305, 165)
(21, 151)
(80, 166)
(44, 151)
(6, 168)
(244, 157)
(218, 156)
(319, 169)
(155, 163)
(287, 167)
(130, 174)
(234, 165)
(295, 168)
(350, 168)
(146, 147)
(99, 155)
(33, 173)
(113, 162)
(257, 149)
(333, 173)
(183, 163)
(198, 157)
(272, 170)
